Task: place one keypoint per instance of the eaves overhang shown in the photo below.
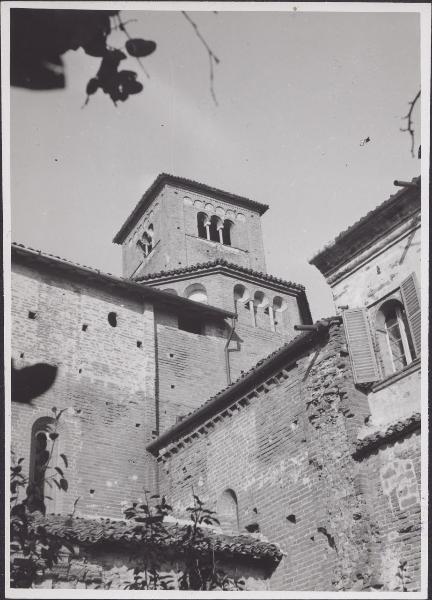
(399, 208)
(259, 373)
(29, 256)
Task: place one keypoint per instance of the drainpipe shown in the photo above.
(227, 363)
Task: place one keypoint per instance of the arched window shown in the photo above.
(279, 306)
(203, 223)
(171, 291)
(40, 452)
(146, 243)
(227, 512)
(394, 337)
(260, 302)
(216, 227)
(243, 302)
(226, 232)
(196, 292)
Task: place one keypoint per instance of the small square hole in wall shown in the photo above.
(171, 355)
(31, 314)
(139, 344)
(21, 354)
(172, 386)
(84, 327)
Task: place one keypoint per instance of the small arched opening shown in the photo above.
(279, 306)
(203, 224)
(226, 232)
(227, 512)
(216, 227)
(197, 293)
(41, 450)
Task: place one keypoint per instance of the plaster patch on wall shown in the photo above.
(399, 476)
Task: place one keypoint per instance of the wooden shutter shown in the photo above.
(362, 353)
(411, 300)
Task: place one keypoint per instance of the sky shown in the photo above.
(297, 93)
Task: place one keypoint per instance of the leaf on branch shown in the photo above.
(64, 459)
(59, 471)
(139, 48)
(64, 484)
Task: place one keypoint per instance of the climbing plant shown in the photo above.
(33, 550)
(200, 571)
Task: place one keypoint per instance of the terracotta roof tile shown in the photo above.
(223, 263)
(90, 532)
(332, 252)
(393, 432)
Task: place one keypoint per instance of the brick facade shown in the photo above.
(161, 394)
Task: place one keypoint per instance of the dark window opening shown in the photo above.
(190, 324)
(84, 327)
(31, 315)
(139, 344)
(226, 232)
(112, 319)
(214, 229)
(202, 219)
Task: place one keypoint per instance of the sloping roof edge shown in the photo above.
(261, 370)
(178, 303)
(97, 531)
(220, 262)
(393, 432)
(164, 178)
(331, 256)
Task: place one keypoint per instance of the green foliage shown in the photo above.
(194, 546)
(33, 549)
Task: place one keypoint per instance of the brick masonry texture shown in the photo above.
(287, 455)
(104, 380)
(281, 462)
(173, 215)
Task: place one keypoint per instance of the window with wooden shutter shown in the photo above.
(411, 300)
(362, 353)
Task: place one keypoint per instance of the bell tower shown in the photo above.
(179, 223)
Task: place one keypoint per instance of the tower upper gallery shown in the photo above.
(179, 223)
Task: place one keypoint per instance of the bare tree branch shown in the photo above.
(408, 116)
(213, 59)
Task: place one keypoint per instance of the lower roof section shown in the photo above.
(92, 532)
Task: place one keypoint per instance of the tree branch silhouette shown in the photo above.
(213, 59)
(408, 117)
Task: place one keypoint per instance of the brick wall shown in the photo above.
(285, 450)
(176, 243)
(102, 568)
(104, 380)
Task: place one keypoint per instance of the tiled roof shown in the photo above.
(190, 184)
(27, 254)
(261, 370)
(393, 432)
(90, 532)
(223, 263)
(371, 225)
